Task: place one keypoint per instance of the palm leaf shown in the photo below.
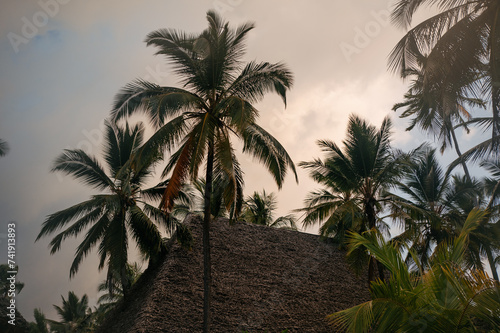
(268, 151)
(83, 167)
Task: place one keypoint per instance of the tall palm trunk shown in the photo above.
(457, 149)
(207, 265)
(495, 78)
(491, 261)
(373, 263)
(123, 256)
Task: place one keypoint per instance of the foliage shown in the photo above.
(4, 147)
(109, 299)
(259, 209)
(75, 315)
(461, 48)
(40, 324)
(445, 298)
(124, 209)
(356, 178)
(196, 123)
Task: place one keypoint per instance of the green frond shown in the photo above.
(158, 103)
(257, 79)
(59, 219)
(237, 113)
(4, 147)
(166, 138)
(74, 229)
(161, 217)
(356, 319)
(94, 235)
(144, 231)
(264, 147)
(228, 175)
(83, 167)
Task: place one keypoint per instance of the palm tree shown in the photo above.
(435, 208)
(40, 324)
(123, 209)
(492, 189)
(333, 208)
(437, 107)
(358, 174)
(444, 298)
(427, 206)
(4, 147)
(216, 102)
(462, 41)
(259, 209)
(75, 315)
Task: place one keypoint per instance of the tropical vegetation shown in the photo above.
(434, 276)
(197, 123)
(122, 212)
(446, 297)
(259, 209)
(4, 147)
(357, 177)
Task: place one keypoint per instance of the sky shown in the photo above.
(62, 62)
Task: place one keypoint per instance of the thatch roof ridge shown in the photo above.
(263, 279)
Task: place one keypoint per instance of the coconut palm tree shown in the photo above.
(358, 174)
(444, 298)
(121, 212)
(75, 315)
(426, 207)
(438, 107)
(215, 104)
(259, 209)
(40, 324)
(463, 40)
(334, 209)
(435, 209)
(4, 147)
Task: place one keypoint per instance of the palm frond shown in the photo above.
(4, 147)
(83, 167)
(257, 79)
(94, 235)
(269, 151)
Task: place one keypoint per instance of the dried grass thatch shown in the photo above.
(264, 280)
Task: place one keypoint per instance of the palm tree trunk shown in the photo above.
(373, 264)
(491, 261)
(207, 265)
(123, 256)
(457, 149)
(495, 79)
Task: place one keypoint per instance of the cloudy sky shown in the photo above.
(62, 61)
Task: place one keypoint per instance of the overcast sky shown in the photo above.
(62, 61)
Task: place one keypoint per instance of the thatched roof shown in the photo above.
(264, 280)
